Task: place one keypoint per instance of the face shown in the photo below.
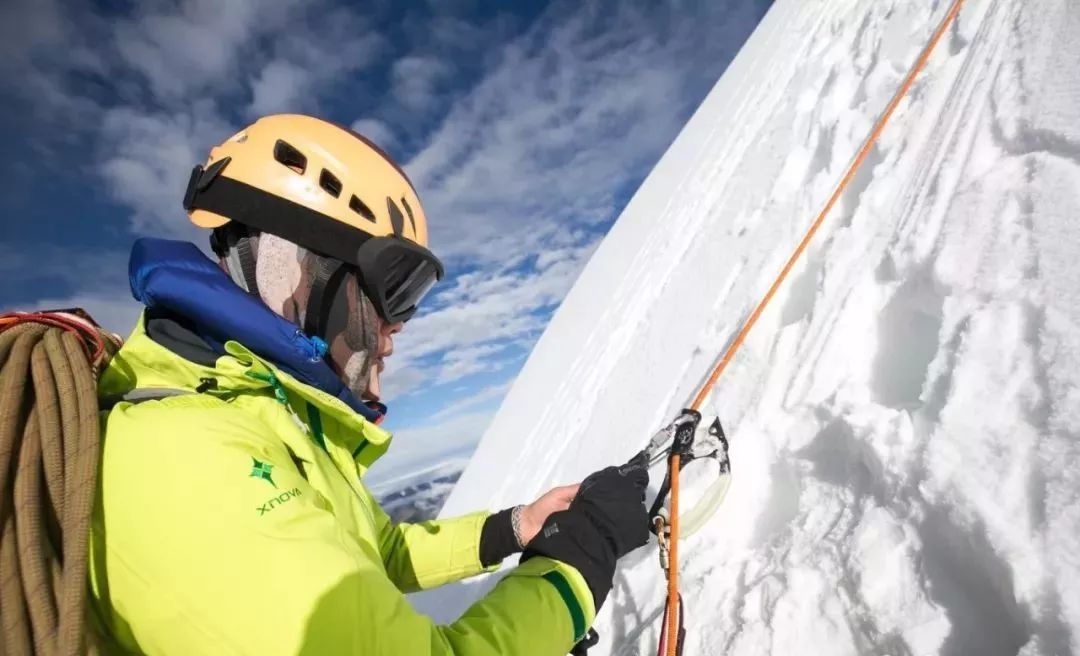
(385, 350)
(358, 339)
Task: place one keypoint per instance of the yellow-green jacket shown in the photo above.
(234, 520)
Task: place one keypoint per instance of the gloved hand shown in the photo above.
(606, 520)
(499, 538)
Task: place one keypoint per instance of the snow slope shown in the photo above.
(905, 418)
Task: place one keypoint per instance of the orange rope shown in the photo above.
(673, 562)
(740, 337)
(864, 152)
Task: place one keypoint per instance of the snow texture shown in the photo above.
(905, 418)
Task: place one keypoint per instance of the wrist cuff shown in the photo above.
(497, 540)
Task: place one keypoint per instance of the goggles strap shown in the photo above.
(329, 274)
(233, 242)
(247, 263)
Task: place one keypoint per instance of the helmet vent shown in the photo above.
(397, 221)
(290, 156)
(358, 206)
(408, 210)
(330, 183)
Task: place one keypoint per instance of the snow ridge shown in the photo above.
(905, 418)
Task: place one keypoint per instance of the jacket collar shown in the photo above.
(177, 277)
(145, 364)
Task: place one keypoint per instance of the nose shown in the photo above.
(387, 342)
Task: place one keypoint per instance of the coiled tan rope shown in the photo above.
(49, 452)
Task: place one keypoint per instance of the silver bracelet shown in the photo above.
(515, 522)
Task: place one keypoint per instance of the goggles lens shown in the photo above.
(407, 295)
(397, 275)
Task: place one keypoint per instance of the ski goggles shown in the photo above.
(396, 274)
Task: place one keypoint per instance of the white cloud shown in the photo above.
(477, 316)
(281, 87)
(447, 434)
(147, 158)
(398, 380)
(455, 33)
(309, 59)
(377, 131)
(519, 175)
(181, 49)
(463, 362)
(485, 396)
(98, 279)
(538, 148)
(479, 311)
(417, 81)
(577, 106)
(42, 42)
(528, 163)
(416, 446)
(177, 71)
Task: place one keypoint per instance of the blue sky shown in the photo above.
(526, 127)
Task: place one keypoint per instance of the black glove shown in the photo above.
(606, 520)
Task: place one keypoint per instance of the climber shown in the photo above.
(242, 416)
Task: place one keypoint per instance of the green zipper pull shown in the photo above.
(272, 380)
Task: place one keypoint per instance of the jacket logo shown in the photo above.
(284, 497)
(262, 470)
